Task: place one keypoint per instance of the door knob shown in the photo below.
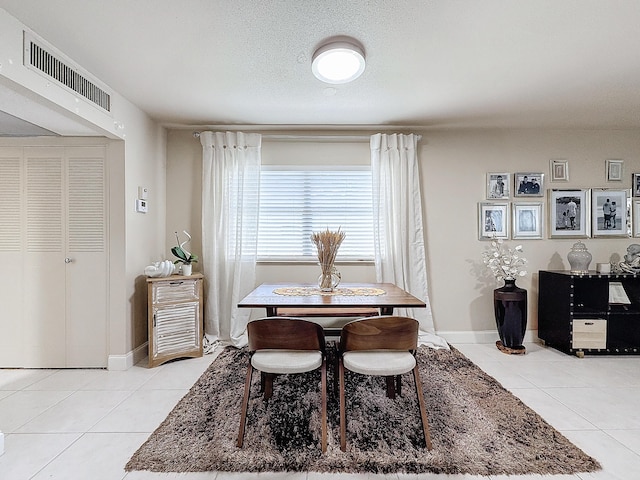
(68, 260)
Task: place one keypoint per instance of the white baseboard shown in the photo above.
(125, 362)
(482, 336)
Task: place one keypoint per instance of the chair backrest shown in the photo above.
(387, 332)
(285, 333)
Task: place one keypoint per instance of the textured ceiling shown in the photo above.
(490, 63)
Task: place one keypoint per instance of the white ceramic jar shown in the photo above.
(579, 259)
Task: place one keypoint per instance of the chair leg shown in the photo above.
(245, 402)
(343, 420)
(336, 375)
(399, 385)
(323, 396)
(391, 390)
(423, 412)
(268, 385)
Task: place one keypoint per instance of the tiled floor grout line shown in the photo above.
(542, 390)
(71, 392)
(56, 456)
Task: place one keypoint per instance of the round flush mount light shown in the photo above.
(338, 62)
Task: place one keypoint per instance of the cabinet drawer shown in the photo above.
(175, 291)
(589, 333)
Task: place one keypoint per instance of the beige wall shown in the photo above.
(454, 168)
(454, 164)
(145, 165)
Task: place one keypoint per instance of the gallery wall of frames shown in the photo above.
(521, 206)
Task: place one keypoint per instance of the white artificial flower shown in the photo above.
(505, 263)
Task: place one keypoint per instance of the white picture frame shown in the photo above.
(528, 184)
(614, 170)
(493, 220)
(636, 218)
(559, 170)
(609, 212)
(498, 185)
(527, 221)
(570, 213)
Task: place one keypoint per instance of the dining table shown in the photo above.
(345, 300)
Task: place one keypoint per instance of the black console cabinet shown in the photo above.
(575, 314)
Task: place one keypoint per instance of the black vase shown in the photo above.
(510, 305)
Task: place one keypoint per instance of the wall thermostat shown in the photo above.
(141, 206)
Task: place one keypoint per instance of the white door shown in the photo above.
(62, 308)
(44, 271)
(86, 258)
(11, 257)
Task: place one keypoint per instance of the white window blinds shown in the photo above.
(296, 201)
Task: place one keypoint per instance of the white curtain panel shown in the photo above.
(230, 200)
(398, 229)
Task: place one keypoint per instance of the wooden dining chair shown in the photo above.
(381, 346)
(285, 346)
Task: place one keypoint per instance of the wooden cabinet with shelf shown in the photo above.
(175, 317)
(591, 313)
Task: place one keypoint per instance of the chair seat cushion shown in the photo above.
(286, 361)
(379, 362)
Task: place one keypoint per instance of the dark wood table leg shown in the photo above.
(386, 310)
(272, 311)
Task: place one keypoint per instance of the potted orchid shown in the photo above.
(184, 257)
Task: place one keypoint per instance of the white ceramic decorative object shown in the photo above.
(579, 259)
(160, 269)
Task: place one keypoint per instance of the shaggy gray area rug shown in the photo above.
(477, 426)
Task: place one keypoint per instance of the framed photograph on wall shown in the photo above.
(636, 218)
(528, 184)
(527, 220)
(635, 184)
(609, 213)
(497, 185)
(559, 170)
(614, 170)
(493, 220)
(569, 213)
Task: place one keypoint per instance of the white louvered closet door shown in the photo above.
(11, 257)
(44, 272)
(61, 315)
(86, 279)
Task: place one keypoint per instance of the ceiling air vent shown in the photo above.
(40, 58)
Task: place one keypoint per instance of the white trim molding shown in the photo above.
(483, 336)
(128, 360)
(1, 443)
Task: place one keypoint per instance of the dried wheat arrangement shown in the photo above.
(327, 244)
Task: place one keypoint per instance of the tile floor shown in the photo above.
(85, 424)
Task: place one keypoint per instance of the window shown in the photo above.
(296, 201)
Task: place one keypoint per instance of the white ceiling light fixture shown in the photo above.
(338, 61)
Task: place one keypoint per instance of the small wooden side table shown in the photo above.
(175, 317)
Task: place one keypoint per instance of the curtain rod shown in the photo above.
(313, 138)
